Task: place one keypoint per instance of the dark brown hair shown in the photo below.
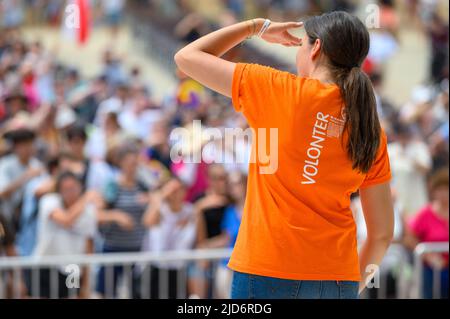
(345, 44)
(439, 179)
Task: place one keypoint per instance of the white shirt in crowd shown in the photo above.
(54, 239)
(141, 124)
(408, 181)
(171, 233)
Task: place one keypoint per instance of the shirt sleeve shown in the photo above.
(86, 224)
(47, 205)
(260, 92)
(381, 169)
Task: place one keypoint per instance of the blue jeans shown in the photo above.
(246, 286)
(428, 283)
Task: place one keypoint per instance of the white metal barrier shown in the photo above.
(129, 262)
(14, 268)
(419, 252)
(409, 278)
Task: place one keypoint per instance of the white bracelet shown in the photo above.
(266, 26)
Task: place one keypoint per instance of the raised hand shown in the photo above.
(279, 33)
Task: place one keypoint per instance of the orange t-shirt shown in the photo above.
(297, 223)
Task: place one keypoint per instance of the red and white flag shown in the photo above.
(77, 21)
(85, 21)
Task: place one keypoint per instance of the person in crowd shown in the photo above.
(113, 69)
(171, 223)
(93, 172)
(210, 210)
(118, 102)
(67, 225)
(6, 238)
(430, 224)
(76, 147)
(438, 33)
(8, 249)
(112, 10)
(138, 119)
(230, 228)
(35, 189)
(158, 144)
(15, 102)
(389, 19)
(13, 13)
(16, 170)
(191, 27)
(101, 137)
(126, 200)
(438, 140)
(410, 163)
(87, 99)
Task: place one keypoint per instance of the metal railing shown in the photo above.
(129, 262)
(419, 252)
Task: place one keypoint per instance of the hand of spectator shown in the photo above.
(156, 198)
(143, 198)
(169, 188)
(183, 222)
(94, 197)
(124, 221)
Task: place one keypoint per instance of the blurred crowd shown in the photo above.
(86, 165)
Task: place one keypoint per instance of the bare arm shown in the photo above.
(201, 227)
(201, 59)
(85, 279)
(379, 215)
(19, 182)
(67, 217)
(152, 216)
(410, 240)
(115, 216)
(219, 241)
(45, 188)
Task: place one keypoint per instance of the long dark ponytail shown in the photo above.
(345, 44)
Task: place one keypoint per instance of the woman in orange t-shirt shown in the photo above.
(297, 238)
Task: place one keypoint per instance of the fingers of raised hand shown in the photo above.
(291, 40)
(292, 25)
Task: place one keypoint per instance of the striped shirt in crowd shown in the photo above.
(126, 200)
